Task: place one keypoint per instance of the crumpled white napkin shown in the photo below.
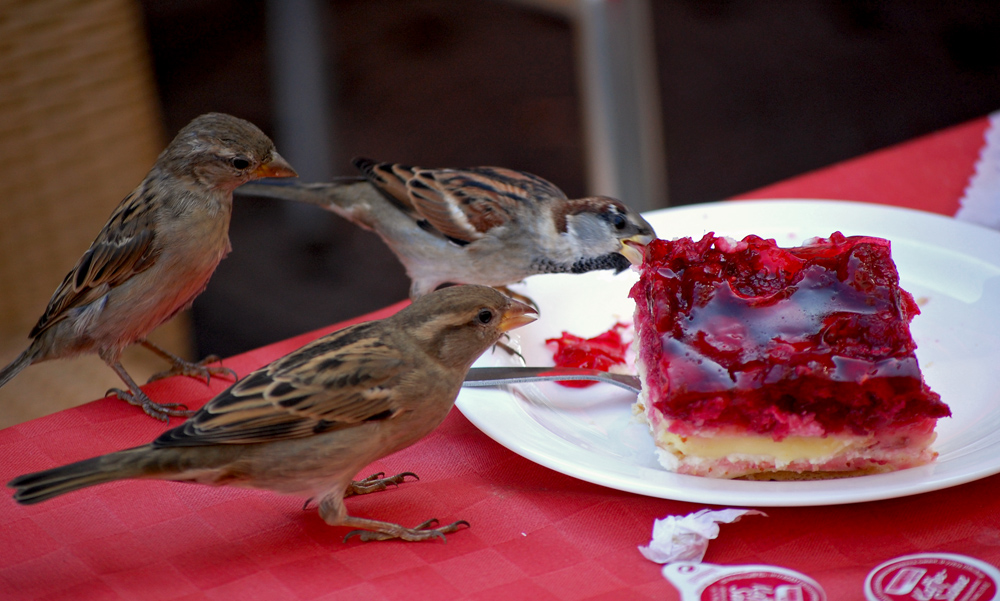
(981, 202)
(685, 538)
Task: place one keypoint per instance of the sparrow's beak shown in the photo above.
(517, 315)
(632, 248)
(276, 167)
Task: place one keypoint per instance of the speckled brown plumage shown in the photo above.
(483, 225)
(155, 254)
(308, 422)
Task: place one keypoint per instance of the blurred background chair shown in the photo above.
(620, 98)
(79, 128)
(616, 71)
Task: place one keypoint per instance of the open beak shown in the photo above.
(632, 248)
(517, 315)
(276, 167)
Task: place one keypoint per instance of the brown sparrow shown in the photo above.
(155, 254)
(484, 225)
(309, 421)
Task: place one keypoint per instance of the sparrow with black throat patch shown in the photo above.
(483, 225)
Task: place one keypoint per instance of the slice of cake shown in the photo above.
(767, 362)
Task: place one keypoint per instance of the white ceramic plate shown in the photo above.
(952, 269)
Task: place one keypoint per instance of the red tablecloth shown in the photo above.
(536, 534)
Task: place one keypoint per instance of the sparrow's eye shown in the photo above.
(618, 220)
(240, 163)
(485, 316)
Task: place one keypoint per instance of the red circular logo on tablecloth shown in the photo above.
(933, 577)
(763, 585)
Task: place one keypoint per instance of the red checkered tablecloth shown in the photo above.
(536, 534)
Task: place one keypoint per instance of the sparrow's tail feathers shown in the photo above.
(354, 199)
(340, 191)
(23, 360)
(42, 486)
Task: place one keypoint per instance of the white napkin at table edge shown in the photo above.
(981, 201)
(685, 538)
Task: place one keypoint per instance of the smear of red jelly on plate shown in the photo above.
(751, 335)
(600, 352)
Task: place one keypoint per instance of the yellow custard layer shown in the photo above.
(748, 455)
(783, 452)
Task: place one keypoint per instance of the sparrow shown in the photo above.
(484, 225)
(308, 422)
(155, 254)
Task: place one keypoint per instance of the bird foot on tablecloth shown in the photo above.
(377, 482)
(374, 530)
(198, 370)
(161, 411)
(180, 367)
(135, 396)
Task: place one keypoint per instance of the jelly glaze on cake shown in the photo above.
(760, 359)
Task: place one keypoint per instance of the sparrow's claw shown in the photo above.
(420, 533)
(199, 369)
(161, 411)
(377, 482)
(509, 349)
(180, 367)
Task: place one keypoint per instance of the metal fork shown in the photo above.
(497, 376)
